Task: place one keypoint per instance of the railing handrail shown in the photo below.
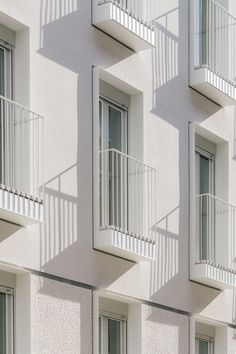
(128, 157)
(223, 9)
(216, 198)
(20, 106)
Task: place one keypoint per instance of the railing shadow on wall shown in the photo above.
(166, 265)
(52, 10)
(60, 230)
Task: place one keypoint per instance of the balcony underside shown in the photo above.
(19, 209)
(122, 26)
(213, 86)
(213, 275)
(124, 245)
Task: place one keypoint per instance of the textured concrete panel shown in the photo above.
(61, 318)
(164, 332)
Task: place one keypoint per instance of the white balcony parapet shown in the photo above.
(129, 21)
(127, 206)
(214, 71)
(21, 163)
(215, 233)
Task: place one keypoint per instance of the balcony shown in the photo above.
(21, 164)
(127, 203)
(215, 242)
(213, 65)
(128, 21)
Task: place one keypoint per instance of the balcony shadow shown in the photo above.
(65, 28)
(165, 267)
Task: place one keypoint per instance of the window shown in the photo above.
(200, 28)
(112, 334)
(5, 70)
(204, 345)
(113, 146)
(6, 321)
(204, 188)
(5, 90)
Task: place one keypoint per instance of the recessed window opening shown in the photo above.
(204, 345)
(5, 70)
(6, 321)
(113, 147)
(205, 188)
(112, 333)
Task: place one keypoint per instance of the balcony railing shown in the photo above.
(139, 11)
(127, 195)
(21, 157)
(215, 232)
(215, 44)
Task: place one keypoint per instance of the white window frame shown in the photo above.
(103, 336)
(106, 103)
(8, 69)
(209, 340)
(9, 303)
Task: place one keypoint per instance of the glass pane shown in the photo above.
(204, 188)
(114, 337)
(2, 323)
(2, 64)
(203, 347)
(115, 129)
(204, 175)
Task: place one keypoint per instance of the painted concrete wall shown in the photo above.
(164, 332)
(63, 47)
(61, 318)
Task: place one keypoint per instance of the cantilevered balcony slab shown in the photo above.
(214, 86)
(213, 275)
(125, 245)
(20, 209)
(123, 24)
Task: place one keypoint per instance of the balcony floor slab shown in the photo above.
(213, 86)
(20, 210)
(124, 245)
(213, 275)
(123, 27)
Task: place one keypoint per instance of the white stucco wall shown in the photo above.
(61, 318)
(164, 332)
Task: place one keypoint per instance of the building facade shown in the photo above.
(117, 177)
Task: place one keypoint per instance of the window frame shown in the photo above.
(209, 340)
(10, 318)
(8, 68)
(104, 316)
(105, 104)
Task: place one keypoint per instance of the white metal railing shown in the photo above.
(127, 195)
(215, 41)
(141, 10)
(215, 231)
(21, 150)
